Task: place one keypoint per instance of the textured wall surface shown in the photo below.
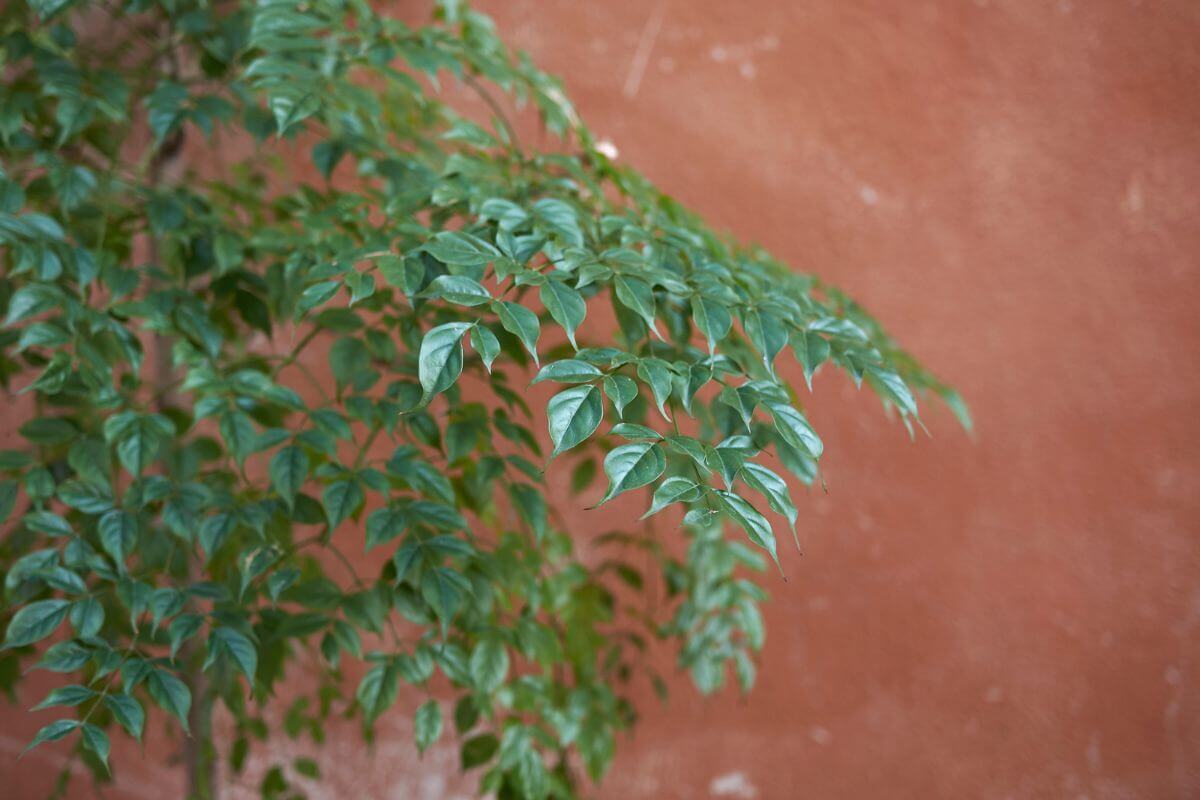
(1014, 189)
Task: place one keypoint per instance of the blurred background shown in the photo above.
(1013, 188)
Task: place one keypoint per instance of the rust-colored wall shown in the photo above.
(1014, 188)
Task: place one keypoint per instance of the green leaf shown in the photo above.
(457, 289)
(427, 724)
(377, 691)
(568, 371)
(507, 214)
(443, 589)
(741, 399)
(755, 524)
(489, 664)
(631, 466)
(96, 740)
(811, 351)
(182, 628)
(118, 535)
(621, 391)
(66, 696)
(87, 616)
(795, 430)
(128, 712)
(573, 415)
(712, 319)
(520, 322)
(531, 506)
(214, 531)
(890, 386)
(674, 490)
(35, 622)
(636, 295)
(768, 335)
(631, 430)
(65, 657)
(171, 694)
(459, 248)
(340, 500)
(479, 750)
(440, 360)
(288, 471)
(138, 437)
(656, 373)
(384, 525)
(485, 344)
(566, 306)
(53, 732)
(231, 643)
(772, 487)
(349, 359)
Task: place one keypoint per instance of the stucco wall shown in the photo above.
(1014, 188)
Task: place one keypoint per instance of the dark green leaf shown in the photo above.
(35, 622)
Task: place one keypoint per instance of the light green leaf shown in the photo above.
(811, 351)
(566, 306)
(377, 691)
(485, 344)
(890, 386)
(427, 724)
(440, 360)
(621, 390)
(96, 740)
(459, 248)
(568, 371)
(573, 415)
(674, 490)
(768, 335)
(636, 295)
(656, 373)
(631, 430)
(457, 289)
(632, 465)
(795, 430)
(755, 524)
(507, 214)
(741, 399)
(489, 664)
(772, 487)
(522, 323)
(712, 318)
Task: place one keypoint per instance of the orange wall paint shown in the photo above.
(1014, 189)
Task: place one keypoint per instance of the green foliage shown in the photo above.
(231, 371)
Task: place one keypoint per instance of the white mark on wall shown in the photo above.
(641, 56)
(733, 784)
(1134, 200)
(1093, 752)
(820, 735)
(743, 55)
